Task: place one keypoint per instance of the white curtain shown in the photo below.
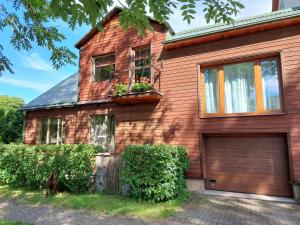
(270, 85)
(239, 88)
(211, 90)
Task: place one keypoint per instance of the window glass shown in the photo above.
(284, 4)
(270, 85)
(211, 90)
(103, 132)
(43, 131)
(239, 87)
(142, 63)
(104, 67)
(49, 131)
(53, 131)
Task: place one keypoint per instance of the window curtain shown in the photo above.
(270, 85)
(98, 130)
(239, 88)
(211, 90)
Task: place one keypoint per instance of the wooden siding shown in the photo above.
(255, 163)
(175, 119)
(180, 86)
(114, 40)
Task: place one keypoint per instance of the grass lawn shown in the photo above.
(110, 204)
(6, 222)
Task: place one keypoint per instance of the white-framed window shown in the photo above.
(52, 131)
(103, 67)
(142, 64)
(102, 131)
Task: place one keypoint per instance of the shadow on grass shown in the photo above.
(110, 204)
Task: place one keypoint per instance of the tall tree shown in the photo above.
(11, 119)
(30, 20)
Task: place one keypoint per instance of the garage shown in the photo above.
(247, 163)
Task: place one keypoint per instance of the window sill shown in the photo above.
(243, 115)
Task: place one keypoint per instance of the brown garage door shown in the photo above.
(249, 163)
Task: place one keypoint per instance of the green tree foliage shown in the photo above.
(11, 119)
(30, 20)
(30, 166)
(155, 172)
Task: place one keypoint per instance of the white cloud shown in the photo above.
(34, 61)
(37, 86)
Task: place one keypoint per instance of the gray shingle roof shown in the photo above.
(63, 94)
(249, 21)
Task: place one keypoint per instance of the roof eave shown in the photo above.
(70, 105)
(231, 28)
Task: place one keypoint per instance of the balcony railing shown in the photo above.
(147, 90)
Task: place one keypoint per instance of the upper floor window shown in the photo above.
(104, 67)
(52, 131)
(142, 64)
(102, 131)
(249, 87)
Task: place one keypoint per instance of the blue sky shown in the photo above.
(33, 70)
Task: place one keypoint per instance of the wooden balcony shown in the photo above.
(151, 96)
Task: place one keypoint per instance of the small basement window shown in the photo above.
(250, 87)
(52, 131)
(104, 67)
(102, 131)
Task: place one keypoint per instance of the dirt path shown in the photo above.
(200, 210)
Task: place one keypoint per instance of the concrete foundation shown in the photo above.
(195, 185)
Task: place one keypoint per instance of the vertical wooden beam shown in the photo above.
(258, 87)
(131, 68)
(221, 90)
(48, 132)
(105, 131)
(275, 6)
(202, 92)
(58, 136)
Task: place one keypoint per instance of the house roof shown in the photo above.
(108, 17)
(63, 94)
(246, 22)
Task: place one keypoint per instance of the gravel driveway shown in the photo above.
(200, 210)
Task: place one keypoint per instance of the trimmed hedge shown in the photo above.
(30, 166)
(155, 172)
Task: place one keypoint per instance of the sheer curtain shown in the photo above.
(270, 85)
(211, 90)
(239, 88)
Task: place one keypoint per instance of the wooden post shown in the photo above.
(48, 132)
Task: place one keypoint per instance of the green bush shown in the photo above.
(141, 87)
(121, 89)
(155, 172)
(30, 166)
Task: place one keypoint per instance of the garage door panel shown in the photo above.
(249, 170)
(254, 188)
(252, 164)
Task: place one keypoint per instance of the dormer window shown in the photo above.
(142, 64)
(103, 67)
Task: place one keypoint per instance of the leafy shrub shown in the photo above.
(155, 172)
(141, 87)
(121, 89)
(30, 166)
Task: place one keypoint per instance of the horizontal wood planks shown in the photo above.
(175, 119)
(254, 164)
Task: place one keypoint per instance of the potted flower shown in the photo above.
(121, 89)
(141, 87)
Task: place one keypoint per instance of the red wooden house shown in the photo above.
(228, 93)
